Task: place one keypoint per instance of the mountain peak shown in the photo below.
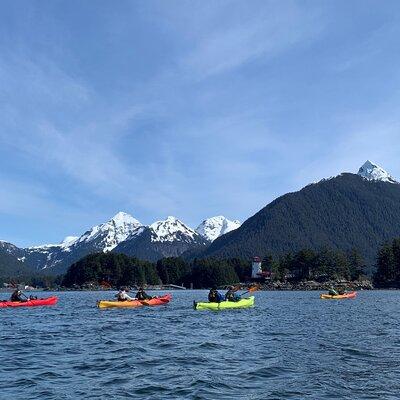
(170, 229)
(374, 172)
(214, 227)
(109, 234)
(121, 218)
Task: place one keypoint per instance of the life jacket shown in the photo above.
(231, 296)
(120, 296)
(214, 296)
(141, 295)
(16, 297)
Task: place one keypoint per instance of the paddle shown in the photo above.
(251, 290)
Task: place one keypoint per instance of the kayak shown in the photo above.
(350, 295)
(224, 305)
(156, 301)
(49, 301)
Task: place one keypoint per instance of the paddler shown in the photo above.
(142, 295)
(214, 296)
(333, 292)
(16, 296)
(231, 295)
(123, 295)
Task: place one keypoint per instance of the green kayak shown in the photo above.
(244, 303)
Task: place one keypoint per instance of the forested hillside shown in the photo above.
(346, 212)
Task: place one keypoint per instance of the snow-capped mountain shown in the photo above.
(167, 238)
(101, 238)
(108, 235)
(214, 227)
(12, 261)
(12, 250)
(65, 244)
(374, 172)
(171, 229)
(123, 234)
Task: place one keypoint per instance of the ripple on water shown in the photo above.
(290, 346)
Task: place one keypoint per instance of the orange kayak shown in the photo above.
(155, 301)
(350, 295)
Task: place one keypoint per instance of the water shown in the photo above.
(290, 346)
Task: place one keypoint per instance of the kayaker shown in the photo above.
(17, 296)
(142, 295)
(123, 295)
(214, 296)
(231, 295)
(341, 291)
(333, 292)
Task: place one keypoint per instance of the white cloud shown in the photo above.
(266, 34)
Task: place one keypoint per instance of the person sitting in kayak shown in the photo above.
(214, 296)
(142, 295)
(333, 292)
(17, 296)
(123, 295)
(231, 295)
(341, 291)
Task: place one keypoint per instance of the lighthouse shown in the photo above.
(256, 268)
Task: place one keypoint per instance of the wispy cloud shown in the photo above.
(186, 108)
(264, 35)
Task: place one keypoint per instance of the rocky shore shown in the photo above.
(313, 285)
(272, 286)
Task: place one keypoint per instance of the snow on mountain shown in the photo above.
(101, 238)
(69, 240)
(374, 172)
(214, 227)
(9, 248)
(171, 229)
(65, 244)
(110, 233)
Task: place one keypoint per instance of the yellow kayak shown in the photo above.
(223, 305)
(156, 301)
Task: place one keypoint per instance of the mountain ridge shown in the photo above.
(169, 237)
(344, 212)
(366, 201)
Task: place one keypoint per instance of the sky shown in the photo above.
(186, 108)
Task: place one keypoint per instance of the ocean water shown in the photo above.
(291, 345)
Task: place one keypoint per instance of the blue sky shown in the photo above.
(186, 108)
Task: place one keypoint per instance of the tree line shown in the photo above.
(118, 270)
(387, 273)
(324, 265)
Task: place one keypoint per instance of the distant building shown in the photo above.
(256, 270)
(257, 273)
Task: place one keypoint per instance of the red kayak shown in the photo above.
(49, 301)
